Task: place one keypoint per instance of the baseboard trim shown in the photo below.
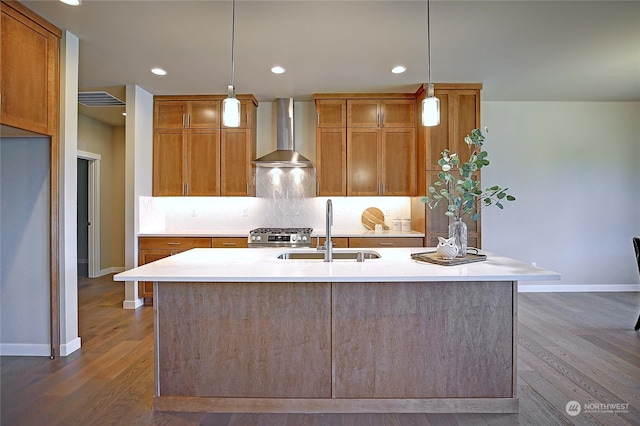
(591, 288)
(112, 270)
(132, 304)
(25, 349)
(69, 348)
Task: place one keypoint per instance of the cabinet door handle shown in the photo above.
(186, 185)
(229, 244)
(318, 114)
(382, 120)
(386, 244)
(173, 243)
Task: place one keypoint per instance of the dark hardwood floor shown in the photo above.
(571, 347)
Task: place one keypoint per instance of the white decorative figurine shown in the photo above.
(447, 248)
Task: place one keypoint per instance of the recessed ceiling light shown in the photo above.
(158, 71)
(278, 69)
(399, 69)
(72, 2)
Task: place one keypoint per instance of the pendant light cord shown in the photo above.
(233, 41)
(428, 45)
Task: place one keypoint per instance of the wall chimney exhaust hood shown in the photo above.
(284, 156)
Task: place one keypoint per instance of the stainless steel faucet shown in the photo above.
(328, 244)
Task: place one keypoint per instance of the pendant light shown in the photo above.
(430, 104)
(231, 105)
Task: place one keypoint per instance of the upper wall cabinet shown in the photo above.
(331, 112)
(194, 155)
(381, 113)
(203, 114)
(331, 147)
(29, 76)
(366, 144)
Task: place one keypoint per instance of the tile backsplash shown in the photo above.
(241, 214)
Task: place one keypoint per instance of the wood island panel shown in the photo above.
(243, 340)
(423, 340)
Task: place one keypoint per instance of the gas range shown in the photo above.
(280, 237)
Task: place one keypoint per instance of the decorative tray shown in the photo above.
(432, 257)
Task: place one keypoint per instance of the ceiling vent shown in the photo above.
(98, 99)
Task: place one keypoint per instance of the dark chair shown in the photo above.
(636, 246)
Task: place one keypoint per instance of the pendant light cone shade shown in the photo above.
(231, 110)
(430, 104)
(231, 105)
(430, 111)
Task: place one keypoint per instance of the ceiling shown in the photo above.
(520, 50)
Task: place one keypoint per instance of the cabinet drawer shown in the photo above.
(234, 242)
(386, 242)
(339, 242)
(177, 243)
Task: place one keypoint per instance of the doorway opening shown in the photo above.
(88, 220)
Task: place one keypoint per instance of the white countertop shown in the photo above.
(262, 265)
(239, 233)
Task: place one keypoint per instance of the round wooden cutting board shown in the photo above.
(372, 216)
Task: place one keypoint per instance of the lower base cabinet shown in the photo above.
(342, 347)
(151, 249)
(385, 242)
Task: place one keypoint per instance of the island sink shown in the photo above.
(337, 255)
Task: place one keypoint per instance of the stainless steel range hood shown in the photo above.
(284, 156)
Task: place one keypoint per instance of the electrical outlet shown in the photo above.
(387, 212)
(245, 212)
(193, 213)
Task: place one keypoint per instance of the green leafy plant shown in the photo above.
(456, 183)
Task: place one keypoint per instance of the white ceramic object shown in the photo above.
(447, 248)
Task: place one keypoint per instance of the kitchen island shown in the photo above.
(240, 330)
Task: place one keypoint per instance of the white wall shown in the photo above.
(108, 142)
(68, 155)
(575, 170)
(138, 176)
(24, 246)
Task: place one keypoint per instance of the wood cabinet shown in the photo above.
(381, 161)
(29, 76)
(30, 101)
(459, 114)
(331, 113)
(237, 149)
(184, 114)
(331, 147)
(384, 242)
(194, 155)
(381, 113)
(228, 242)
(338, 242)
(151, 249)
(366, 144)
(186, 162)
